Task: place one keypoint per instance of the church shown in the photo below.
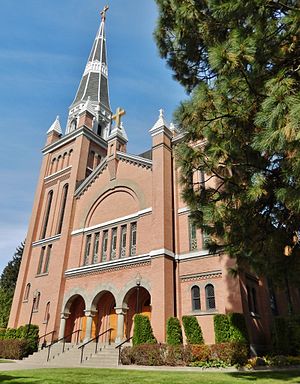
(110, 235)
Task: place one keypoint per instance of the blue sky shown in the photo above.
(44, 48)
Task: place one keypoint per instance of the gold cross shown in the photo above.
(103, 12)
(117, 117)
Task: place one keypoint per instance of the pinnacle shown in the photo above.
(55, 126)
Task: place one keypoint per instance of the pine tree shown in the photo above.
(8, 281)
(240, 61)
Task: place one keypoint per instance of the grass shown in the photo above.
(109, 376)
(6, 361)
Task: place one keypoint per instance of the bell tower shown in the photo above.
(94, 87)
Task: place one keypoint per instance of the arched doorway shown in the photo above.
(138, 300)
(105, 317)
(76, 320)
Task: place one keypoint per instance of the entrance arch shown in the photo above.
(137, 300)
(105, 316)
(76, 319)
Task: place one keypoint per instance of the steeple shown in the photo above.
(94, 86)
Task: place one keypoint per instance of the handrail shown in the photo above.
(64, 342)
(44, 337)
(119, 346)
(82, 346)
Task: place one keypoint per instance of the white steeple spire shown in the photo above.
(55, 126)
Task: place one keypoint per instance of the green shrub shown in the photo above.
(286, 335)
(31, 335)
(230, 328)
(2, 333)
(174, 333)
(11, 333)
(142, 331)
(192, 330)
(13, 349)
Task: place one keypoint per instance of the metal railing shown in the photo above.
(63, 339)
(119, 346)
(107, 333)
(44, 344)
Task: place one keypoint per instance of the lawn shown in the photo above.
(109, 376)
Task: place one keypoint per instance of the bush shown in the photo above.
(2, 333)
(174, 333)
(13, 349)
(286, 335)
(218, 355)
(230, 353)
(192, 330)
(230, 328)
(142, 332)
(144, 354)
(31, 337)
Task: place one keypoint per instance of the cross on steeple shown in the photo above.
(103, 12)
(117, 117)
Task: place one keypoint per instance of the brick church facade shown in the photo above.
(110, 235)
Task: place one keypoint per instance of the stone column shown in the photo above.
(63, 319)
(89, 322)
(121, 312)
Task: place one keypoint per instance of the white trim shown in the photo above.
(112, 222)
(163, 129)
(45, 241)
(195, 254)
(58, 173)
(136, 159)
(95, 173)
(107, 265)
(71, 136)
(162, 251)
(183, 210)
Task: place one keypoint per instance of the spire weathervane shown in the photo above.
(103, 12)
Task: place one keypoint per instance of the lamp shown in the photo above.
(138, 284)
(35, 296)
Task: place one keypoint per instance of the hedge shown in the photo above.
(14, 349)
(192, 330)
(174, 333)
(230, 328)
(161, 354)
(29, 336)
(142, 331)
(286, 335)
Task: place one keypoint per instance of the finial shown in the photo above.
(161, 113)
(57, 118)
(103, 12)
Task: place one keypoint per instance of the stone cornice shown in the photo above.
(111, 265)
(202, 276)
(136, 160)
(72, 135)
(58, 173)
(46, 241)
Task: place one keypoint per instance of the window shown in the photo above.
(133, 239)
(252, 299)
(192, 235)
(113, 252)
(47, 213)
(27, 291)
(41, 261)
(87, 250)
(36, 302)
(47, 313)
(210, 297)
(63, 207)
(96, 248)
(47, 261)
(196, 304)
(123, 241)
(104, 246)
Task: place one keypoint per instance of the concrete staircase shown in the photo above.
(106, 356)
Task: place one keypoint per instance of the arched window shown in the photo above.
(47, 313)
(63, 207)
(36, 302)
(52, 167)
(196, 304)
(27, 291)
(47, 213)
(210, 297)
